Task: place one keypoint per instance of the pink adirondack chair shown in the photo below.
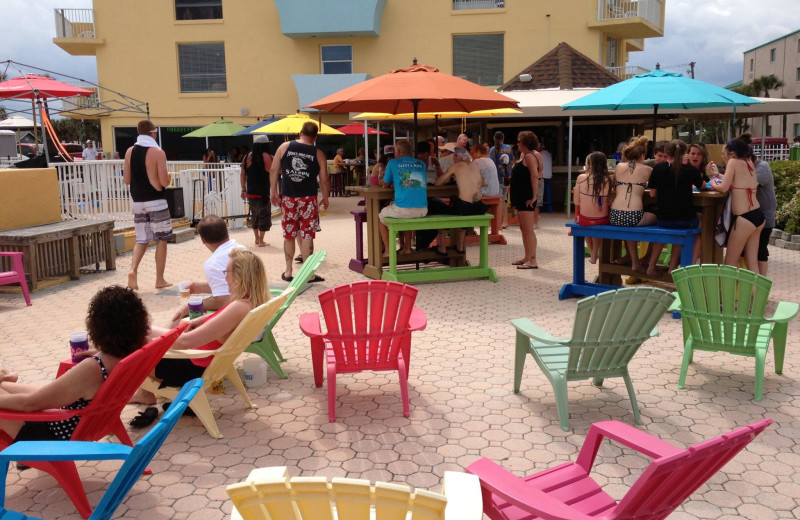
(567, 492)
(100, 418)
(16, 274)
(369, 328)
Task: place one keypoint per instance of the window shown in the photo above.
(751, 64)
(769, 130)
(772, 55)
(611, 53)
(797, 129)
(202, 67)
(337, 59)
(198, 9)
(479, 58)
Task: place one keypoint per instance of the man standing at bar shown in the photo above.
(298, 163)
(146, 173)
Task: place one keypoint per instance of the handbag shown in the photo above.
(174, 198)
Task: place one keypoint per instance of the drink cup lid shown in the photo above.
(187, 283)
(195, 299)
(78, 335)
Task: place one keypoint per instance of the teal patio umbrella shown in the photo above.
(656, 89)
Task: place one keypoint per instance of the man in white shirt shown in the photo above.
(90, 153)
(547, 175)
(214, 233)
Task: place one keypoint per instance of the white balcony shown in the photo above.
(627, 72)
(461, 5)
(76, 32)
(629, 19)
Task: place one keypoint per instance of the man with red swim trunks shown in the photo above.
(299, 163)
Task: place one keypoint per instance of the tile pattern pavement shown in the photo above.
(462, 405)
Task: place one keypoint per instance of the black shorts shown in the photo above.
(260, 213)
(35, 431)
(177, 372)
(524, 207)
(763, 242)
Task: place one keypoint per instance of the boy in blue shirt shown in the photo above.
(408, 176)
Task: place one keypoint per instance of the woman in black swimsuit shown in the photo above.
(118, 323)
(748, 219)
(523, 192)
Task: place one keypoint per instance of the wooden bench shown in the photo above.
(482, 270)
(580, 287)
(62, 248)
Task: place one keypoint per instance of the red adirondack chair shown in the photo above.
(567, 492)
(369, 328)
(16, 274)
(100, 418)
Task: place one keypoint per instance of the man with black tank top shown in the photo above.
(145, 170)
(299, 163)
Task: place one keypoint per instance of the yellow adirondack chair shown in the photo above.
(222, 364)
(270, 494)
(722, 310)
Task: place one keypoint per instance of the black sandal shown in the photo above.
(317, 278)
(186, 413)
(145, 418)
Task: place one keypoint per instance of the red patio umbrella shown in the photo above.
(419, 88)
(358, 129)
(37, 88)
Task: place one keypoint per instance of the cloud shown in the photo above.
(715, 34)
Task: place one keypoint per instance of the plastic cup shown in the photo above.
(78, 342)
(185, 288)
(217, 387)
(323, 211)
(195, 306)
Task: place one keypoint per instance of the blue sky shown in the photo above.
(712, 33)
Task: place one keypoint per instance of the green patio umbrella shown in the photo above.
(219, 128)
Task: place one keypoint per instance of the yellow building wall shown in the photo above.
(139, 56)
(29, 198)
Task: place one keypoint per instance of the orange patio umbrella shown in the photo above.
(419, 88)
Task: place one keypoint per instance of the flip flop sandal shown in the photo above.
(299, 259)
(317, 278)
(527, 266)
(186, 413)
(518, 262)
(145, 418)
(286, 278)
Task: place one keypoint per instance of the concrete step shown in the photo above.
(182, 235)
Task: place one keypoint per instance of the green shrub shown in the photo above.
(787, 191)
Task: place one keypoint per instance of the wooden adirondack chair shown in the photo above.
(369, 328)
(609, 328)
(99, 419)
(568, 492)
(722, 309)
(222, 364)
(136, 458)
(269, 494)
(266, 346)
(16, 274)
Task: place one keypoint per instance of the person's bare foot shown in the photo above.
(625, 260)
(162, 284)
(133, 283)
(262, 244)
(642, 269)
(143, 397)
(504, 226)
(6, 376)
(593, 259)
(405, 251)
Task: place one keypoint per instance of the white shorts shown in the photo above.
(151, 221)
(393, 211)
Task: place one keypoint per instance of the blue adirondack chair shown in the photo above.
(136, 458)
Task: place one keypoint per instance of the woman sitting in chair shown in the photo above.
(247, 280)
(118, 323)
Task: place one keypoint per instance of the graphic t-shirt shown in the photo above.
(408, 176)
(299, 168)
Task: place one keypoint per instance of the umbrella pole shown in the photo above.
(35, 133)
(415, 102)
(569, 169)
(655, 123)
(366, 150)
(436, 135)
(44, 134)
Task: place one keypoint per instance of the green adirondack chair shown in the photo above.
(722, 309)
(267, 347)
(609, 328)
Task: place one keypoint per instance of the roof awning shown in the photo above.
(311, 87)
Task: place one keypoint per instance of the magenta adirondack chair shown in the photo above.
(16, 274)
(567, 492)
(369, 328)
(100, 418)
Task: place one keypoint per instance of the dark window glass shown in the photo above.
(337, 59)
(202, 67)
(479, 58)
(198, 9)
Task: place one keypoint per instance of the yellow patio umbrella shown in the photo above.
(441, 115)
(292, 124)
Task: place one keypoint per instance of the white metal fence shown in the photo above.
(94, 190)
(772, 152)
(75, 23)
(650, 10)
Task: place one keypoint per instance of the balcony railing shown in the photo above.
(75, 23)
(76, 103)
(627, 72)
(459, 5)
(650, 10)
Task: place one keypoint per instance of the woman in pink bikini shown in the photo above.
(748, 219)
(591, 198)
